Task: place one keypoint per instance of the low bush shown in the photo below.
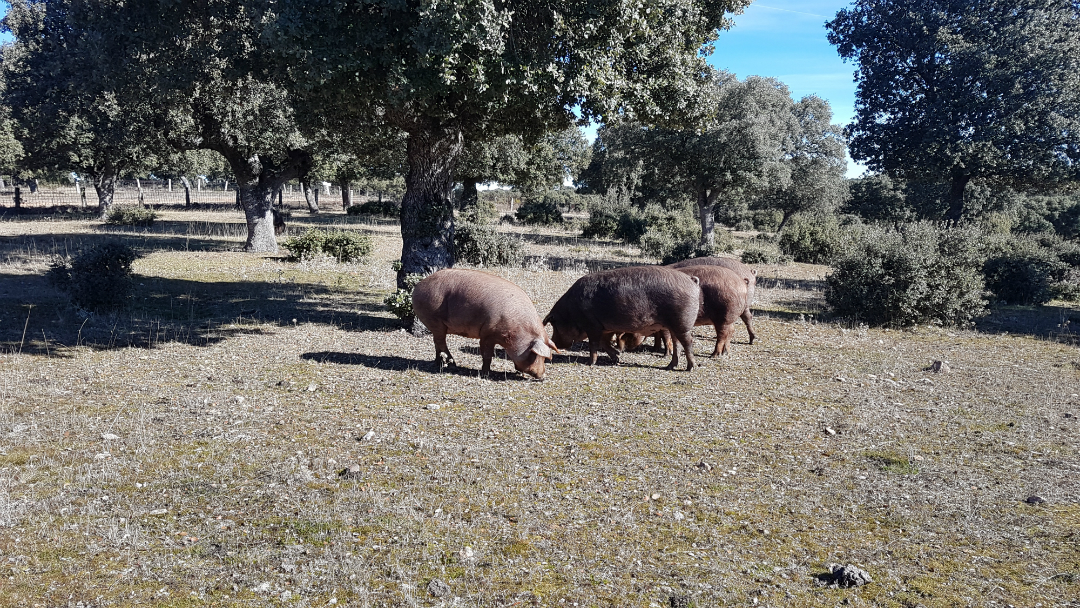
(400, 302)
(764, 253)
(921, 273)
(483, 212)
(542, 210)
(1031, 269)
(385, 208)
(97, 280)
(484, 246)
(342, 245)
(815, 239)
(130, 215)
(604, 214)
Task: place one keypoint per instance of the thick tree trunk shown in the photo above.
(956, 197)
(783, 221)
(427, 213)
(346, 194)
(707, 219)
(105, 186)
(311, 198)
(469, 195)
(257, 199)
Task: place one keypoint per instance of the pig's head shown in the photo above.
(563, 334)
(531, 361)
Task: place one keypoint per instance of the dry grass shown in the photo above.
(197, 464)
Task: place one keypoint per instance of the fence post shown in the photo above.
(18, 197)
(138, 184)
(170, 185)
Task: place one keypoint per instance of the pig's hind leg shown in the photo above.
(439, 335)
(686, 339)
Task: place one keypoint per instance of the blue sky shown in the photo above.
(786, 39)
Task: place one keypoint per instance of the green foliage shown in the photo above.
(99, 279)
(919, 273)
(952, 90)
(342, 245)
(130, 215)
(604, 214)
(760, 252)
(815, 239)
(1031, 269)
(384, 208)
(483, 212)
(543, 210)
(483, 245)
(400, 302)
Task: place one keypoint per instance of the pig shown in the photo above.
(636, 299)
(743, 270)
(475, 304)
(724, 294)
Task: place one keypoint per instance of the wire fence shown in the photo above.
(158, 193)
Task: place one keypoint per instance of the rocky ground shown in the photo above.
(260, 432)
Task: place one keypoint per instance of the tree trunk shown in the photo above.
(311, 198)
(469, 195)
(956, 197)
(346, 194)
(427, 212)
(105, 185)
(783, 221)
(708, 220)
(187, 191)
(257, 199)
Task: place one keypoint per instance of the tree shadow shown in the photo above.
(1058, 323)
(560, 263)
(396, 363)
(36, 317)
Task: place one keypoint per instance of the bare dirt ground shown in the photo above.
(190, 452)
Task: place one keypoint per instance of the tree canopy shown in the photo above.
(955, 90)
(450, 72)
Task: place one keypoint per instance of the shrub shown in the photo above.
(130, 215)
(604, 214)
(385, 208)
(484, 246)
(766, 220)
(543, 210)
(483, 212)
(764, 253)
(815, 239)
(344, 246)
(1030, 269)
(400, 302)
(98, 280)
(920, 273)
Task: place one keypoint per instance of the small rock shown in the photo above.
(312, 387)
(939, 367)
(368, 436)
(350, 472)
(704, 466)
(679, 601)
(102, 456)
(1035, 500)
(109, 437)
(286, 596)
(839, 379)
(830, 431)
(432, 406)
(238, 399)
(158, 512)
(1068, 415)
(848, 576)
(679, 516)
(655, 497)
(438, 588)
(262, 588)
(466, 553)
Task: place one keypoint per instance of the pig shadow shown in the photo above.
(397, 364)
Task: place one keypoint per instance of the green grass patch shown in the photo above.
(892, 462)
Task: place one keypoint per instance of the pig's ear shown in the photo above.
(551, 344)
(540, 348)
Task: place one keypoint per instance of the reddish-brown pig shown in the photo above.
(723, 298)
(475, 304)
(636, 299)
(747, 273)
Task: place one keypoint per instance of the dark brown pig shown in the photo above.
(637, 299)
(747, 273)
(475, 304)
(723, 297)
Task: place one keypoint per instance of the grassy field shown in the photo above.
(190, 452)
